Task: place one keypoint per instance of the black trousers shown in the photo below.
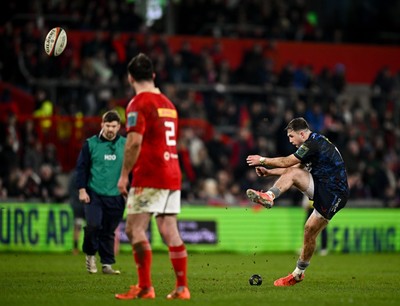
(103, 215)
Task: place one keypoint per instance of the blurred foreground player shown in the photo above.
(316, 169)
(151, 153)
(97, 173)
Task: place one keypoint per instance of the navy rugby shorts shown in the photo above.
(326, 202)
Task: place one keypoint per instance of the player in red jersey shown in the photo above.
(151, 155)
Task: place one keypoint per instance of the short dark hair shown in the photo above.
(141, 68)
(111, 116)
(297, 124)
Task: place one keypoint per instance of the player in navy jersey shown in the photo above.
(316, 169)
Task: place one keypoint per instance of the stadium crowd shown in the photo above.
(312, 20)
(249, 122)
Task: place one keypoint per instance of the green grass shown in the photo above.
(214, 279)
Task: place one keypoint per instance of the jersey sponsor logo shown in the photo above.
(167, 112)
(110, 157)
(168, 156)
(131, 119)
(302, 151)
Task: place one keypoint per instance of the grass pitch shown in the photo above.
(214, 279)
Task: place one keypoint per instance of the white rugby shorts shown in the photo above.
(153, 200)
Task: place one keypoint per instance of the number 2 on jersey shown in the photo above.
(170, 133)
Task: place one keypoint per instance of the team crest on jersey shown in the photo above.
(302, 150)
(131, 119)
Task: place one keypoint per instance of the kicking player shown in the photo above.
(316, 169)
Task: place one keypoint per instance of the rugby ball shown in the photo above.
(55, 42)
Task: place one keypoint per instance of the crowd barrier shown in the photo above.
(31, 227)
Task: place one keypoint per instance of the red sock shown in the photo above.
(178, 256)
(143, 258)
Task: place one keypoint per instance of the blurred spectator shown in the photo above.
(194, 145)
(339, 78)
(241, 146)
(50, 189)
(207, 190)
(218, 150)
(190, 105)
(9, 157)
(286, 76)
(207, 70)
(28, 134)
(223, 113)
(177, 70)
(283, 146)
(223, 195)
(384, 82)
(7, 105)
(10, 135)
(50, 158)
(382, 87)
(14, 184)
(251, 180)
(97, 43)
(324, 82)
(333, 127)
(303, 77)
(44, 110)
(189, 58)
(252, 62)
(354, 168)
(225, 75)
(3, 190)
(22, 184)
(33, 156)
(315, 117)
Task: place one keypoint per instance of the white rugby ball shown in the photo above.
(55, 42)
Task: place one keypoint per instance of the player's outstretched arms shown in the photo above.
(254, 160)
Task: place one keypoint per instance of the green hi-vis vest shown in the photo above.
(106, 163)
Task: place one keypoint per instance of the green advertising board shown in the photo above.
(49, 228)
(35, 227)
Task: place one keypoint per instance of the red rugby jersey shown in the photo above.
(155, 117)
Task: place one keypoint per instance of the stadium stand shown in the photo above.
(236, 75)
